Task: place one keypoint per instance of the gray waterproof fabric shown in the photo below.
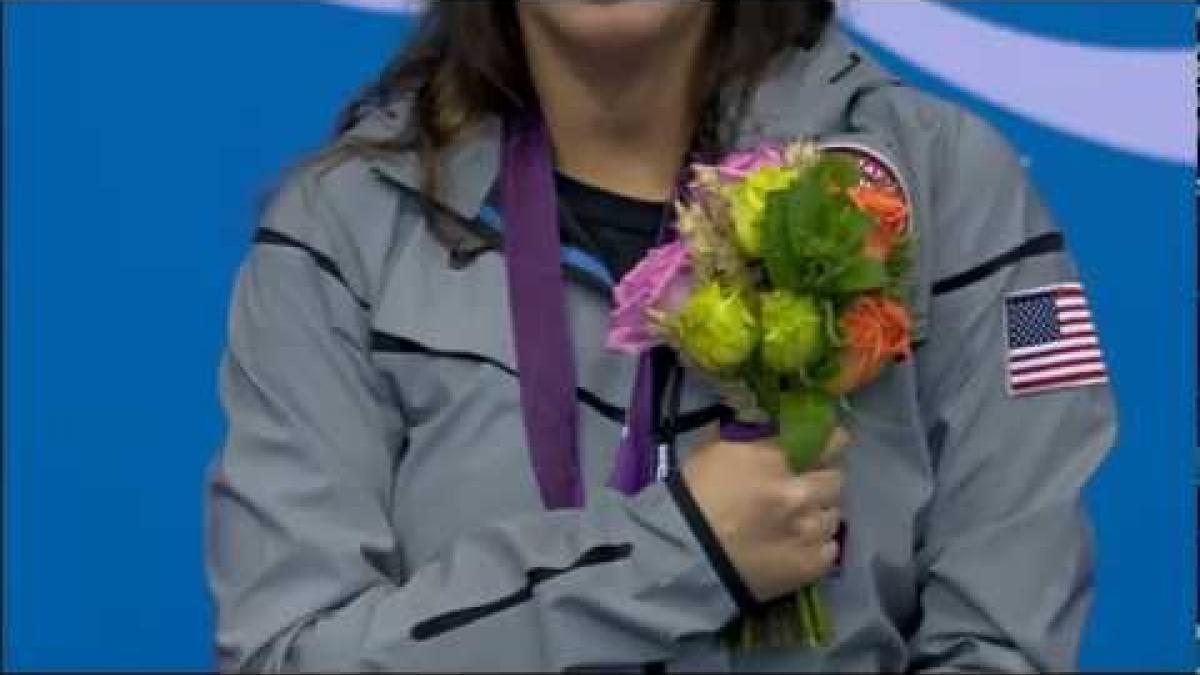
(373, 506)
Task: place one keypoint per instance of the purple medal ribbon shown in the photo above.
(537, 299)
(634, 466)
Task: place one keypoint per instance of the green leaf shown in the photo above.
(766, 388)
(862, 275)
(900, 272)
(777, 252)
(826, 369)
(806, 421)
(826, 234)
(807, 214)
(839, 170)
(853, 225)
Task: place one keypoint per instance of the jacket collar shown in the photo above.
(467, 168)
(798, 99)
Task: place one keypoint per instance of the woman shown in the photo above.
(393, 496)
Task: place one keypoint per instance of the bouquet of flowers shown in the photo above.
(787, 288)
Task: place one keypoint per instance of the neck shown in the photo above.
(620, 123)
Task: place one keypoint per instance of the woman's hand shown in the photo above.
(776, 527)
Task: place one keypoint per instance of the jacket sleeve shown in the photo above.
(1006, 554)
(305, 569)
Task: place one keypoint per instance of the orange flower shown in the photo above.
(876, 330)
(890, 212)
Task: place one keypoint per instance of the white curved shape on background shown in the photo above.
(1141, 101)
(386, 6)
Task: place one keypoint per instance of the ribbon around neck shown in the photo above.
(545, 359)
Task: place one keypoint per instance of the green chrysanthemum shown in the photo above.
(792, 331)
(748, 204)
(717, 328)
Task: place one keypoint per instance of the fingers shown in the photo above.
(827, 555)
(818, 527)
(813, 562)
(813, 491)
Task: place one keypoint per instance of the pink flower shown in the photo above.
(658, 286)
(738, 165)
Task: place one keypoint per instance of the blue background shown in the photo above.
(138, 142)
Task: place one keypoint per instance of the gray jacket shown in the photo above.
(373, 507)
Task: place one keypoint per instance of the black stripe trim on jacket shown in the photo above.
(464, 239)
(694, 419)
(730, 578)
(394, 344)
(1051, 242)
(325, 263)
(858, 97)
(444, 623)
(855, 61)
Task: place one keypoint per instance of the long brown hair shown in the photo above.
(467, 63)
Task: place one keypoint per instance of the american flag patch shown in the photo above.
(1052, 342)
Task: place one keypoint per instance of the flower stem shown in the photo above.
(800, 619)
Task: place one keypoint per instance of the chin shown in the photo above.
(613, 24)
